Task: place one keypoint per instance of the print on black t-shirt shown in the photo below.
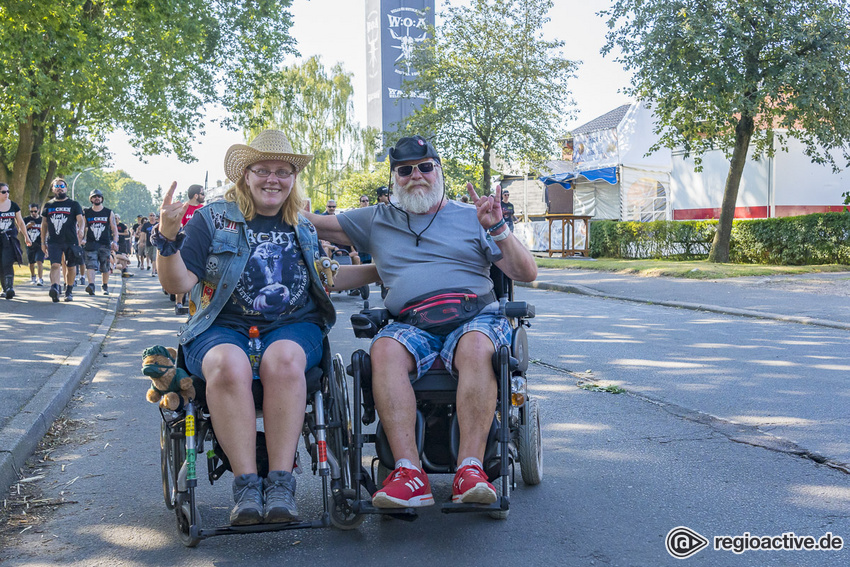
(274, 258)
(7, 220)
(33, 226)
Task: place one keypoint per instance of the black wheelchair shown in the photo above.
(515, 436)
(327, 435)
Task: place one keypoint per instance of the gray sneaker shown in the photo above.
(279, 493)
(248, 495)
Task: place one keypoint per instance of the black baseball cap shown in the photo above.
(412, 148)
(381, 191)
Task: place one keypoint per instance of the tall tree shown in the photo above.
(71, 71)
(739, 73)
(491, 84)
(315, 109)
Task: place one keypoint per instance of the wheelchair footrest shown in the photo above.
(257, 528)
(458, 508)
(365, 507)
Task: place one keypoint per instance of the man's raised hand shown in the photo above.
(171, 214)
(488, 208)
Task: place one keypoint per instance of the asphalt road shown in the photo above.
(620, 470)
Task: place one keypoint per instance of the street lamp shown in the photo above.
(74, 182)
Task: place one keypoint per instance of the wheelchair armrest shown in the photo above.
(368, 322)
(519, 309)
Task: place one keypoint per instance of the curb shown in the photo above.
(24, 432)
(581, 290)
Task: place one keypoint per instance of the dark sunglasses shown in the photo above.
(60, 186)
(407, 170)
(4, 192)
(364, 200)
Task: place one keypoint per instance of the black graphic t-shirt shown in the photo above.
(33, 225)
(123, 243)
(274, 289)
(98, 229)
(508, 214)
(62, 221)
(7, 220)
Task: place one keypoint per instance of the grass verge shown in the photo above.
(694, 269)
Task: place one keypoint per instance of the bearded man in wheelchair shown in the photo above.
(434, 256)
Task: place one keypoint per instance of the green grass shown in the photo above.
(694, 269)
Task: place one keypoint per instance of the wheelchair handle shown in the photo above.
(518, 310)
(368, 322)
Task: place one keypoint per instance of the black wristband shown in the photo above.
(167, 247)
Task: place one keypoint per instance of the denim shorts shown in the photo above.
(425, 347)
(307, 335)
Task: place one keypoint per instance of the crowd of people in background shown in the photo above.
(78, 242)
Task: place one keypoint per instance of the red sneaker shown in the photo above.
(404, 488)
(471, 486)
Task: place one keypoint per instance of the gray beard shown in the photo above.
(419, 202)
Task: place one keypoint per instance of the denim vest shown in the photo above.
(228, 256)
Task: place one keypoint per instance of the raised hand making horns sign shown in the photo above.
(488, 208)
(171, 214)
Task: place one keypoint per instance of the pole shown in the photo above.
(525, 196)
(74, 182)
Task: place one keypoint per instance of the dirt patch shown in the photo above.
(28, 505)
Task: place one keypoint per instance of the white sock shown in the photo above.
(406, 464)
(471, 461)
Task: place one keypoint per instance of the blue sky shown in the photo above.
(335, 29)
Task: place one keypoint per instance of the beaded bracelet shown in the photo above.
(497, 226)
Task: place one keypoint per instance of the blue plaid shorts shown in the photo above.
(425, 347)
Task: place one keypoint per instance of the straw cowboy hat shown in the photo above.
(268, 145)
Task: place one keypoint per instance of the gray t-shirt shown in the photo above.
(454, 252)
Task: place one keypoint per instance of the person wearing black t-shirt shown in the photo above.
(250, 260)
(62, 229)
(35, 257)
(101, 239)
(508, 210)
(10, 247)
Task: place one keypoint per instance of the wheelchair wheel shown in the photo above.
(184, 525)
(341, 438)
(172, 454)
(340, 441)
(344, 519)
(498, 514)
(530, 446)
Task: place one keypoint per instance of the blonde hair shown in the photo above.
(240, 194)
(62, 179)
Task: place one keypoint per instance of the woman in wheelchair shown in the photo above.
(249, 260)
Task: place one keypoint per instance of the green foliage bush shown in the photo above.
(822, 238)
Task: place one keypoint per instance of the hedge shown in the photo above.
(822, 238)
